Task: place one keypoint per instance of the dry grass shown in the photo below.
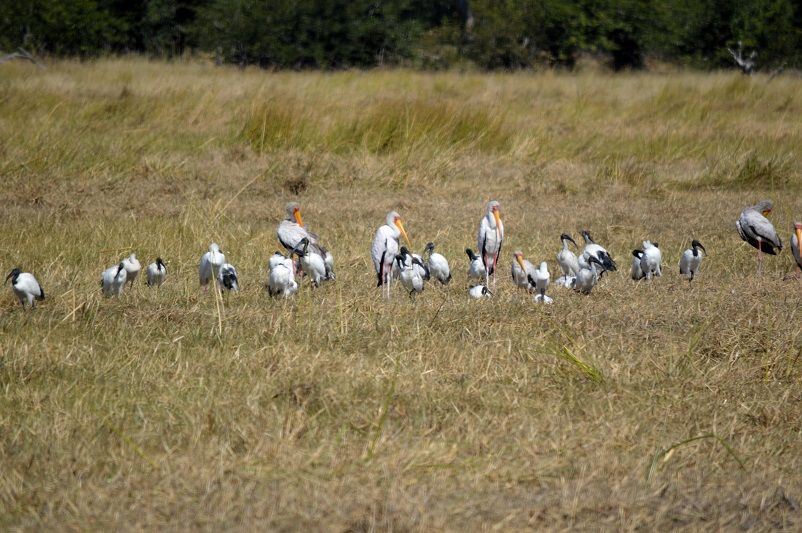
(336, 410)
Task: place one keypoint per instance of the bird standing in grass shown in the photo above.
(796, 241)
(25, 287)
(587, 277)
(477, 269)
(650, 260)
(312, 264)
(113, 280)
(605, 262)
(691, 260)
(567, 260)
(491, 236)
(385, 248)
(542, 278)
(281, 279)
(438, 265)
(291, 231)
(410, 276)
(227, 278)
(755, 228)
(210, 264)
(132, 268)
(156, 272)
(523, 272)
(637, 270)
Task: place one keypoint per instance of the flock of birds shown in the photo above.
(307, 257)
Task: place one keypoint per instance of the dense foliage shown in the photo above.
(491, 34)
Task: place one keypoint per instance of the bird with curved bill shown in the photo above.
(25, 287)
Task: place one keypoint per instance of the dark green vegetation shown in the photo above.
(334, 34)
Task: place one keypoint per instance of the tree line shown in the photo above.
(428, 34)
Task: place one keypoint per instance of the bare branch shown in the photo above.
(776, 72)
(22, 54)
(747, 65)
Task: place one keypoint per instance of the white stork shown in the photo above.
(438, 265)
(210, 264)
(691, 260)
(25, 287)
(755, 228)
(523, 272)
(491, 236)
(477, 269)
(281, 279)
(291, 231)
(132, 268)
(385, 248)
(113, 280)
(651, 260)
(156, 272)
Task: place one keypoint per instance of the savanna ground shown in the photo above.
(335, 410)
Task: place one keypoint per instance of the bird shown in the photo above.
(132, 268)
(437, 264)
(385, 248)
(587, 277)
(477, 269)
(523, 272)
(542, 278)
(491, 236)
(156, 272)
(410, 277)
(419, 265)
(566, 259)
(113, 280)
(281, 281)
(650, 260)
(312, 264)
(479, 291)
(755, 228)
(227, 278)
(210, 264)
(637, 271)
(25, 287)
(796, 240)
(592, 249)
(691, 260)
(290, 232)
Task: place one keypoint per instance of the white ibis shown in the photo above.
(281, 279)
(566, 259)
(796, 240)
(210, 265)
(605, 262)
(438, 265)
(542, 278)
(132, 268)
(477, 269)
(587, 277)
(227, 278)
(113, 280)
(25, 287)
(491, 236)
(479, 291)
(691, 260)
(523, 272)
(419, 265)
(291, 231)
(651, 260)
(410, 277)
(156, 272)
(385, 248)
(312, 264)
(755, 228)
(637, 271)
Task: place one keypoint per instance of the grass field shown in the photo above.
(646, 406)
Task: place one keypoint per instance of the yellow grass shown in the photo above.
(643, 406)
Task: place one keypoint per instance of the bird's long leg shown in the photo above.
(487, 271)
(494, 272)
(759, 257)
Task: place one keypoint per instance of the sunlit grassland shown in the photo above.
(336, 410)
